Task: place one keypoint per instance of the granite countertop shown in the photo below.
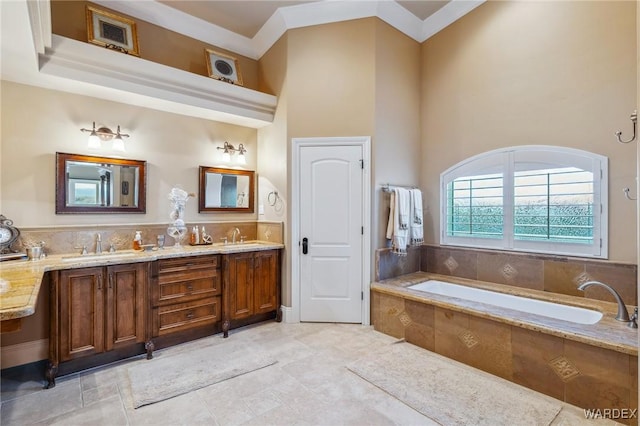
(607, 333)
(20, 280)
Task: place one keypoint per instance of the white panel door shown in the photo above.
(331, 220)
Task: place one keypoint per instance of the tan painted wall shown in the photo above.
(396, 149)
(68, 19)
(273, 152)
(331, 80)
(37, 123)
(517, 73)
(355, 78)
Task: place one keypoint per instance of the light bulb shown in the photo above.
(94, 141)
(242, 159)
(118, 144)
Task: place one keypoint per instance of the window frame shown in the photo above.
(507, 161)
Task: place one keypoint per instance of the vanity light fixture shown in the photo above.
(230, 149)
(105, 134)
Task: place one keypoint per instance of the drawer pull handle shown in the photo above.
(190, 288)
(190, 315)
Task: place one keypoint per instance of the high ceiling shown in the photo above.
(31, 54)
(246, 17)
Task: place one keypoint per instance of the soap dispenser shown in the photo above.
(137, 241)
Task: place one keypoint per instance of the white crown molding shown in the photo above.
(40, 19)
(75, 60)
(447, 15)
(400, 18)
(36, 57)
(297, 16)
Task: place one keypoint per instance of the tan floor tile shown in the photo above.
(42, 405)
(574, 416)
(309, 385)
(108, 411)
(184, 409)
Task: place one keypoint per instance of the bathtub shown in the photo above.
(523, 304)
(558, 345)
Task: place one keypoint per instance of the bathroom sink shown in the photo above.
(91, 257)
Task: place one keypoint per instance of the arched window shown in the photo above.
(538, 198)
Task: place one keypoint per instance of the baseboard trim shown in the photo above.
(24, 353)
(287, 314)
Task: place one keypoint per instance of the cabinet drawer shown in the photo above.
(190, 264)
(182, 316)
(186, 290)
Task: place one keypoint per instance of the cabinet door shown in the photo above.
(265, 281)
(126, 308)
(240, 276)
(81, 312)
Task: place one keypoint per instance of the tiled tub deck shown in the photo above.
(590, 366)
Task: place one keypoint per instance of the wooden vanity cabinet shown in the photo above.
(95, 311)
(252, 288)
(186, 297)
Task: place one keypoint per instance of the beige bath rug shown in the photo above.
(168, 376)
(452, 393)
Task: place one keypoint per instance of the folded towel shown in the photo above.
(392, 211)
(416, 230)
(398, 226)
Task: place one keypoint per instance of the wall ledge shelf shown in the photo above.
(156, 86)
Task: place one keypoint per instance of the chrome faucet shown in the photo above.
(98, 243)
(623, 314)
(233, 237)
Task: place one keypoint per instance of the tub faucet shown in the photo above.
(98, 243)
(633, 323)
(623, 314)
(233, 237)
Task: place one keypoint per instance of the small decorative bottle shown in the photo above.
(137, 241)
(195, 231)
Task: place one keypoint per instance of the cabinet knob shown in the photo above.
(190, 288)
(190, 315)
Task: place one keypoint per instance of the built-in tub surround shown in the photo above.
(588, 365)
(549, 273)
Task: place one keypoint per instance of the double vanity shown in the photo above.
(113, 306)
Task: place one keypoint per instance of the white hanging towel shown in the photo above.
(392, 212)
(398, 226)
(416, 229)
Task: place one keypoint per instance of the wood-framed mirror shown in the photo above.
(90, 184)
(226, 190)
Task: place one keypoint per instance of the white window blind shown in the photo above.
(530, 198)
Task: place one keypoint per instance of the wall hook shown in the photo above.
(273, 195)
(626, 194)
(634, 120)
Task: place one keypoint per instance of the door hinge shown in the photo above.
(362, 295)
(362, 230)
